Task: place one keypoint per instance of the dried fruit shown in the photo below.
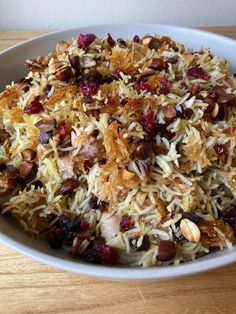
(188, 113)
(166, 251)
(221, 149)
(28, 170)
(121, 42)
(143, 86)
(193, 217)
(143, 150)
(84, 225)
(179, 110)
(148, 123)
(88, 88)
(93, 202)
(110, 40)
(164, 86)
(125, 223)
(157, 64)
(145, 246)
(84, 41)
(28, 154)
(34, 107)
(195, 89)
(100, 253)
(69, 186)
(229, 215)
(47, 90)
(227, 99)
(136, 39)
(63, 130)
(190, 230)
(198, 72)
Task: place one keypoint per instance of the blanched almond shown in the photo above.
(190, 230)
(215, 111)
(28, 154)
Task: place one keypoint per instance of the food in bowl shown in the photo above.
(122, 151)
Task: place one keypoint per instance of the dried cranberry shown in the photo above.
(213, 96)
(84, 41)
(144, 246)
(63, 130)
(125, 223)
(148, 123)
(136, 39)
(87, 87)
(84, 225)
(164, 86)
(110, 40)
(143, 86)
(221, 149)
(198, 72)
(107, 254)
(168, 134)
(34, 107)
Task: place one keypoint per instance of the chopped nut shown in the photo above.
(29, 154)
(3, 136)
(46, 125)
(62, 45)
(147, 72)
(28, 170)
(215, 111)
(154, 43)
(127, 175)
(190, 230)
(44, 137)
(87, 62)
(61, 70)
(157, 64)
(146, 39)
(69, 186)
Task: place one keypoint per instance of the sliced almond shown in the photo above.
(146, 39)
(127, 175)
(190, 230)
(215, 111)
(62, 45)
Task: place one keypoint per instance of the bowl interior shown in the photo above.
(12, 68)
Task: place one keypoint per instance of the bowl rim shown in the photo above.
(122, 272)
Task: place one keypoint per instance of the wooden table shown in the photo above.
(27, 286)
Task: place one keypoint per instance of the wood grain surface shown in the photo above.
(27, 286)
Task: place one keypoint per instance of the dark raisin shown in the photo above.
(125, 223)
(188, 112)
(2, 167)
(229, 215)
(74, 61)
(154, 43)
(69, 186)
(54, 239)
(221, 149)
(193, 217)
(93, 202)
(143, 150)
(179, 110)
(44, 137)
(47, 90)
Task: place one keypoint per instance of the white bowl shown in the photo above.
(12, 68)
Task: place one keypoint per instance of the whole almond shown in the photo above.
(190, 230)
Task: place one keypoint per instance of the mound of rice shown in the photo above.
(122, 151)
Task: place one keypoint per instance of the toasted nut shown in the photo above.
(190, 230)
(57, 66)
(147, 72)
(46, 125)
(62, 45)
(29, 154)
(44, 137)
(87, 62)
(227, 99)
(127, 175)
(169, 112)
(154, 43)
(28, 170)
(215, 111)
(146, 39)
(69, 186)
(61, 70)
(3, 136)
(195, 89)
(166, 251)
